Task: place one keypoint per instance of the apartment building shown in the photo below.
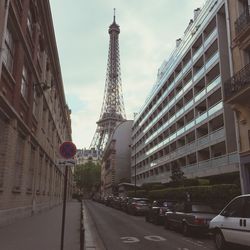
(34, 116)
(237, 87)
(85, 155)
(184, 122)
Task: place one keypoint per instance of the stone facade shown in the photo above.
(85, 155)
(237, 88)
(34, 116)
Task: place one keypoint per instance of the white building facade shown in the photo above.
(85, 155)
(184, 123)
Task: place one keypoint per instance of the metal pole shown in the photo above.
(64, 205)
(135, 168)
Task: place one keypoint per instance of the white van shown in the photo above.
(232, 225)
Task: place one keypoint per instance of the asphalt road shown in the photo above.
(119, 230)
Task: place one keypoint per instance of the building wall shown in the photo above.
(236, 88)
(84, 155)
(184, 122)
(34, 116)
(116, 159)
(123, 152)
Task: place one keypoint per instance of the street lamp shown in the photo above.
(135, 168)
(135, 156)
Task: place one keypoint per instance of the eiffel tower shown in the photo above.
(112, 111)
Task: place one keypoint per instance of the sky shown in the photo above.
(148, 33)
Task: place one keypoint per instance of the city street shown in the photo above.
(119, 230)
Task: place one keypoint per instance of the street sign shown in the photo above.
(64, 162)
(68, 149)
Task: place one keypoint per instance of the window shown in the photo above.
(39, 176)
(247, 207)
(8, 50)
(235, 208)
(35, 102)
(19, 161)
(24, 83)
(3, 136)
(50, 178)
(31, 169)
(45, 186)
(179, 207)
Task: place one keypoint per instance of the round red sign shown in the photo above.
(68, 149)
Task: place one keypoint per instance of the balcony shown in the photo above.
(242, 27)
(237, 88)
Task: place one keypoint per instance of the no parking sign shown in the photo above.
(67, 149)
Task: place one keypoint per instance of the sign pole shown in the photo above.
(67, 151)
(64, 204)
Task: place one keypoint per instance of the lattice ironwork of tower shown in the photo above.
(113, 111)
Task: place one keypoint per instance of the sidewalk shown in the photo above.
(43, 231)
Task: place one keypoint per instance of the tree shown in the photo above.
(177, 177)
(88, 176)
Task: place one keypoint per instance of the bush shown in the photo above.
(217, 194)
(139, 193)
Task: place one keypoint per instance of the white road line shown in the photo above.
(154, 238)
(129, 239)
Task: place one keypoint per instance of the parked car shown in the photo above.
(124, 203)
(138, 206)
(190, 217)
(157, 210)
(232, 225)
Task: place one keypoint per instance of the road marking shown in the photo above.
(154, 238)
(129, 239)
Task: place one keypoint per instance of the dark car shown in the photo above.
(190, 217)
(157, 210)
(124, 203)
(138, 206)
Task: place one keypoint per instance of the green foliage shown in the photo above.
(177, 177)
(196, 182)
(87, 176)
(139, 193)
(215, 194)
(152, 186)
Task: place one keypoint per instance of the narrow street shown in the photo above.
(119, 230)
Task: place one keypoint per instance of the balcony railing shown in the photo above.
(238, 82)
(243, 21)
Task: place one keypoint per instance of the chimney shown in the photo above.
(196, 12)
(190, 23)
(178, 42)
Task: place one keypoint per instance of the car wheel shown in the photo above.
(185, 229)
(219, 240)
